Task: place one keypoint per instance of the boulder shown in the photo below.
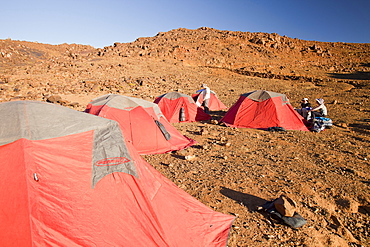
(285, 206)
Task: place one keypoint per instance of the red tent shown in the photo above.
(69, 179)
(142, 123)
(263, 109)
(215, 104)
(178, 107)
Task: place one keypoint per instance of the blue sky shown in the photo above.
(103, 22)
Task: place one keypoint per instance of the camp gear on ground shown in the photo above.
(276, 129)
(284, 209)
(320, 123)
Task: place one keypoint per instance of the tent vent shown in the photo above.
(163, 130)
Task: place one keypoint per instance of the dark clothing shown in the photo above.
(205, 105)
(317, 114)
(305, 105)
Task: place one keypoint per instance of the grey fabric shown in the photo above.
(110, 153)
(261, 95)
(39, 120)
(125, 103)
(176, 95)
(34, 120)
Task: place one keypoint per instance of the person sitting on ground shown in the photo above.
(305, 103)
(305, 107)
(319, 111)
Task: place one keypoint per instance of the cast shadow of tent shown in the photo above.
(250, 201)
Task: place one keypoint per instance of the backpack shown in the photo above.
(327, 122)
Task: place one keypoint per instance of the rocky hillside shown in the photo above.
(232, 170)
(257, 54)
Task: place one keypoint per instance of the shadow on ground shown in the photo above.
(250, 201)
(353, 76)
(217, 115)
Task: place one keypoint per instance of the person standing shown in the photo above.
(206, 93)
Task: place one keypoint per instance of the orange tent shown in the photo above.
(178, 107)
(263, 109)
(142, 123)
(69, 179)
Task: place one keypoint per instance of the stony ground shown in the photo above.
(232, 170)
(236, 170)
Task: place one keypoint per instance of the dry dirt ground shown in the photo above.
(233, 170)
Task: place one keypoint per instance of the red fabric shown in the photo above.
(15, 223)
(171, 110)
(62, 208)
(214, 103)
(139, 128)
(273, 112)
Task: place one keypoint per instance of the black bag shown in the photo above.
(276, 129)
(295, 221)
